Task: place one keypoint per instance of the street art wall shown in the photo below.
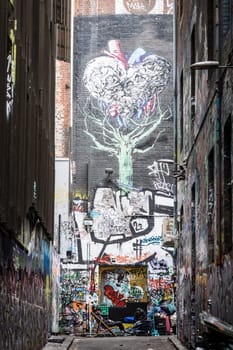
(24, 292)
(123, 144)
(61, 206)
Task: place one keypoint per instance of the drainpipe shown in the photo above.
(175, 124)
(175, 138)
(59, 235)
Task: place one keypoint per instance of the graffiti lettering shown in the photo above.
(152, 240)
(164, 188)
(9, 87)
(137, 226)
(160, 170)
(139, 6)
(140, 272)
(136, 293)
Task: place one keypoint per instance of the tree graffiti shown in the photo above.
(124, 104)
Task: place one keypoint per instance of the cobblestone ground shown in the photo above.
(124, 343)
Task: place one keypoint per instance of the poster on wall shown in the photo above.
(122, 284)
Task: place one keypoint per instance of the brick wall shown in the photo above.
(62, 125)
(91, 35)
(127, 225)
(204, 200)
(27, 178)
(93, 7)
(107, 7)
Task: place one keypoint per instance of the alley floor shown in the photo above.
(126, 343)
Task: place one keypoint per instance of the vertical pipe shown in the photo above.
(88, 187)
(175, 114)
(175, 144)
(71, 60)
(59, 234)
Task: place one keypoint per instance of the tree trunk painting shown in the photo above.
(123, 107)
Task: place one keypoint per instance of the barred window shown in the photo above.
(62, 18)
(225, 16)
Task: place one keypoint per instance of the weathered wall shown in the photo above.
(123, 120)
(62, 113)
(27, 59)
(151, 34)
(24, 292)
(204, 219)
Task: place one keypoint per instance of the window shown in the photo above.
(225, 16)
(227, 197)
(210, 28)
(61, 8)
(62, 17)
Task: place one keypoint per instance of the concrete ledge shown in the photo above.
(54, 342)
(174, 340)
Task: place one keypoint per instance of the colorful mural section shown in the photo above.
(122, 284)
(123, 156)
(76, 299)
(24, 292)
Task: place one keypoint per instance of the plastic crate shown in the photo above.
(104, 310)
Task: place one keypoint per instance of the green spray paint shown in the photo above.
(119, 143)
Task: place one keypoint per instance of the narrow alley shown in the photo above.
(114, 343)
(124, 343)
(116, 199)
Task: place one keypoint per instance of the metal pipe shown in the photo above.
(59, 234)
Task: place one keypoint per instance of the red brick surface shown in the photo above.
(94, 7)
(62, 108)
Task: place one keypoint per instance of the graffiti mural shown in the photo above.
(123, 122)
(23, 295)
(115, 215)
(128, 216)
(122, 284)
(124, 104)
(161, 173)
(11, 61)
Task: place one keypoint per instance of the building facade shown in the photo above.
(63, 88)
(27, 70)
(121, 150)
(203, 139)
